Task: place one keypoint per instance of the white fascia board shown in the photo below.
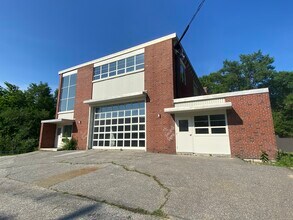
(135, 95)
(225, 105)
(221, 95)
(57, 121)
(158, 40)
(70, 73)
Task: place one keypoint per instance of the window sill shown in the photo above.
(64, 112)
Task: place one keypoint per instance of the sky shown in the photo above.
(38, 38)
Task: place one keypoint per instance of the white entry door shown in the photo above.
(58, 137)
(184, 134)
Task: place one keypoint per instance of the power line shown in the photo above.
(186, 29)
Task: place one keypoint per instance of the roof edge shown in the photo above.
(222, 95)
(157, 40)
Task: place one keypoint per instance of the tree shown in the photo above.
(251, 72)
(257, 71)
(20, 116)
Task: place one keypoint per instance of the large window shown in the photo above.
(210, 124)
(119, 125)
(67, 93)
(119, 67)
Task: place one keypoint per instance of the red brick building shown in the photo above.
(149, 98)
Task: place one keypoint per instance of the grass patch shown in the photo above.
(159, 213)
(284, 159)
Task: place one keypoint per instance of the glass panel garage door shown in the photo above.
(120, 125)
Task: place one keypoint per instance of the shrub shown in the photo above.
(69, 144)
(264, 157)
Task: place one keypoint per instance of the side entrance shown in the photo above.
(202, 133)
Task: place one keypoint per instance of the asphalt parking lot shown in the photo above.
(138, 185)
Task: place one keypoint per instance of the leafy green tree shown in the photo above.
(251, 72)
(257, 71)
(20, 116)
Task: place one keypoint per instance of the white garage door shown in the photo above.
(119, 126)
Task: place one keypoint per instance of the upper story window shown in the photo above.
(67, 93)
(127, 65)
(182, 72)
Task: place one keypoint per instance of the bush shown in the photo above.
(69, 144)
(284, 159)
(264, 157)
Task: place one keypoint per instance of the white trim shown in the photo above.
(134, 95)
(217, 106)
(65, 112)
(167, 37)
(70, 73)
(58, 121)
(221, 95)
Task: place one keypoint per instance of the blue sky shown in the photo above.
(38, 38)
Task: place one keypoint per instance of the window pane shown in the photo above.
(63, 105)
(218, 130)
(217, 117)
(201, 130)
(67, 130)
(201, 121)
(65, 81)
(64, 93)
(105, 68)
(218, 123)
(201, 124)
(183, 125)
(121, 71)
(129, 61)
(72, 79)
(70, 105)
(71, 92)
(130, 69)
(97, 70)
(141, 66)
(121, 64)
(139, 59)
(112, 66)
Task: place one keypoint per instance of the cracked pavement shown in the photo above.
(98, 184)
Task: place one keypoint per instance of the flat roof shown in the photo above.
(167, 37)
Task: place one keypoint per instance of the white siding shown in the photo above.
(117, 86)
(68, 115)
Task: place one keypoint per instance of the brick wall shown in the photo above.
(47, 135)
(81, 110)
(159, 83)
(251, 128)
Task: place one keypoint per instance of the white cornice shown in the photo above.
(221, 95)
(140, 46)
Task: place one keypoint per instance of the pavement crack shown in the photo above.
(159, 211)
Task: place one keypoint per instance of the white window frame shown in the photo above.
(209, 127)
(116, 59)
(67, 88)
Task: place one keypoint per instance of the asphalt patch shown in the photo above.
(52, 180)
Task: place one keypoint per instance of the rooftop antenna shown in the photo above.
(186, 29)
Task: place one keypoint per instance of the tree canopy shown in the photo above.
(254, 71)
(20, 115)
